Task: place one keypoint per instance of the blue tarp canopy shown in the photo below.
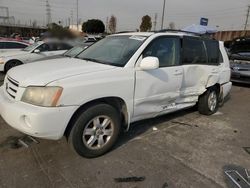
(199, 29)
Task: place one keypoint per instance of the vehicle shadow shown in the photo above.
(140, 127)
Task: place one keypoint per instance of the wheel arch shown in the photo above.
(118, 103)
(12, 60)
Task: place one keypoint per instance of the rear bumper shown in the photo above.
(42, 122)
(226, 89)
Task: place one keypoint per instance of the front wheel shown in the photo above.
(95, 131)
(209, 102)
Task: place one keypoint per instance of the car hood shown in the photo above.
(12, 53)
(44, 72)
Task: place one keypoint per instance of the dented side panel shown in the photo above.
(156, 91)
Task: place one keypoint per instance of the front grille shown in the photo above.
(11, 87)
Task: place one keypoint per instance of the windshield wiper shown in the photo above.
(102, 62)
(94, 60)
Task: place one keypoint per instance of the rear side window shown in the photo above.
(213, 51)
(14, 45)
(193, 51)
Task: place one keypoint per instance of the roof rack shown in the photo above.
(175, 30)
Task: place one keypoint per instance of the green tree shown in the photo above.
(146, 23)
(93, 26)
(59, 31)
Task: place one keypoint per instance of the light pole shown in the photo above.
(163, 14)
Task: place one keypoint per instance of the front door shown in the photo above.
(157, 90)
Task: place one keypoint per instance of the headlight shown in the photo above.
(42, 96)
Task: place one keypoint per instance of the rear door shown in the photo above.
(200, 61)
(157, 90)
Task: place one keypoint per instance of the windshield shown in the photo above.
(113, 50)
(32, 47)
(74, 51)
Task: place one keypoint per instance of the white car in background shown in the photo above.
(116, 81)
(32, 53)
(12, 45)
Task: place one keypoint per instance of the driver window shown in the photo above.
(166, 49)
(43, 48)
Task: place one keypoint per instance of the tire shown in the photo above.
(208, 103)
(88, 133)
(9, 65)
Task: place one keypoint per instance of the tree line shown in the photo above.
(96, 26)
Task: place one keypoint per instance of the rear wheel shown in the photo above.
(209, 102)
(95, 131)
(9, 65)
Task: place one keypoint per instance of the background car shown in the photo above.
(239, 54)
(32, 53)
(73, 52)
(11, 45)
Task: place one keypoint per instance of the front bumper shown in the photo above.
(41, 122)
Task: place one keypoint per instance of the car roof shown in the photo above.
(147, 34)
(163, 33)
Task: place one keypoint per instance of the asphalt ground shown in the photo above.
(182, 149)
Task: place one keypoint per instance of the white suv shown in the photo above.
(118, 80)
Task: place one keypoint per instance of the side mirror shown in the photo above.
(36, 51)
(149, 63)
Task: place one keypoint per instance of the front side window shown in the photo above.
(194, 51)
(32, 47)
(166, 49)
(2, 45)
(43, 48)
(113, 50)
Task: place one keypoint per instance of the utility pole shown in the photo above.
(246, 23)
(48, 13)
(77, 16)
(72, 17)
(163, 14)
(107, 24)
(155, 21)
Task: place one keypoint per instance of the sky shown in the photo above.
(223, 14)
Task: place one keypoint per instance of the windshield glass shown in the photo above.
(74, 51)
(31, 47)
(113, 50)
